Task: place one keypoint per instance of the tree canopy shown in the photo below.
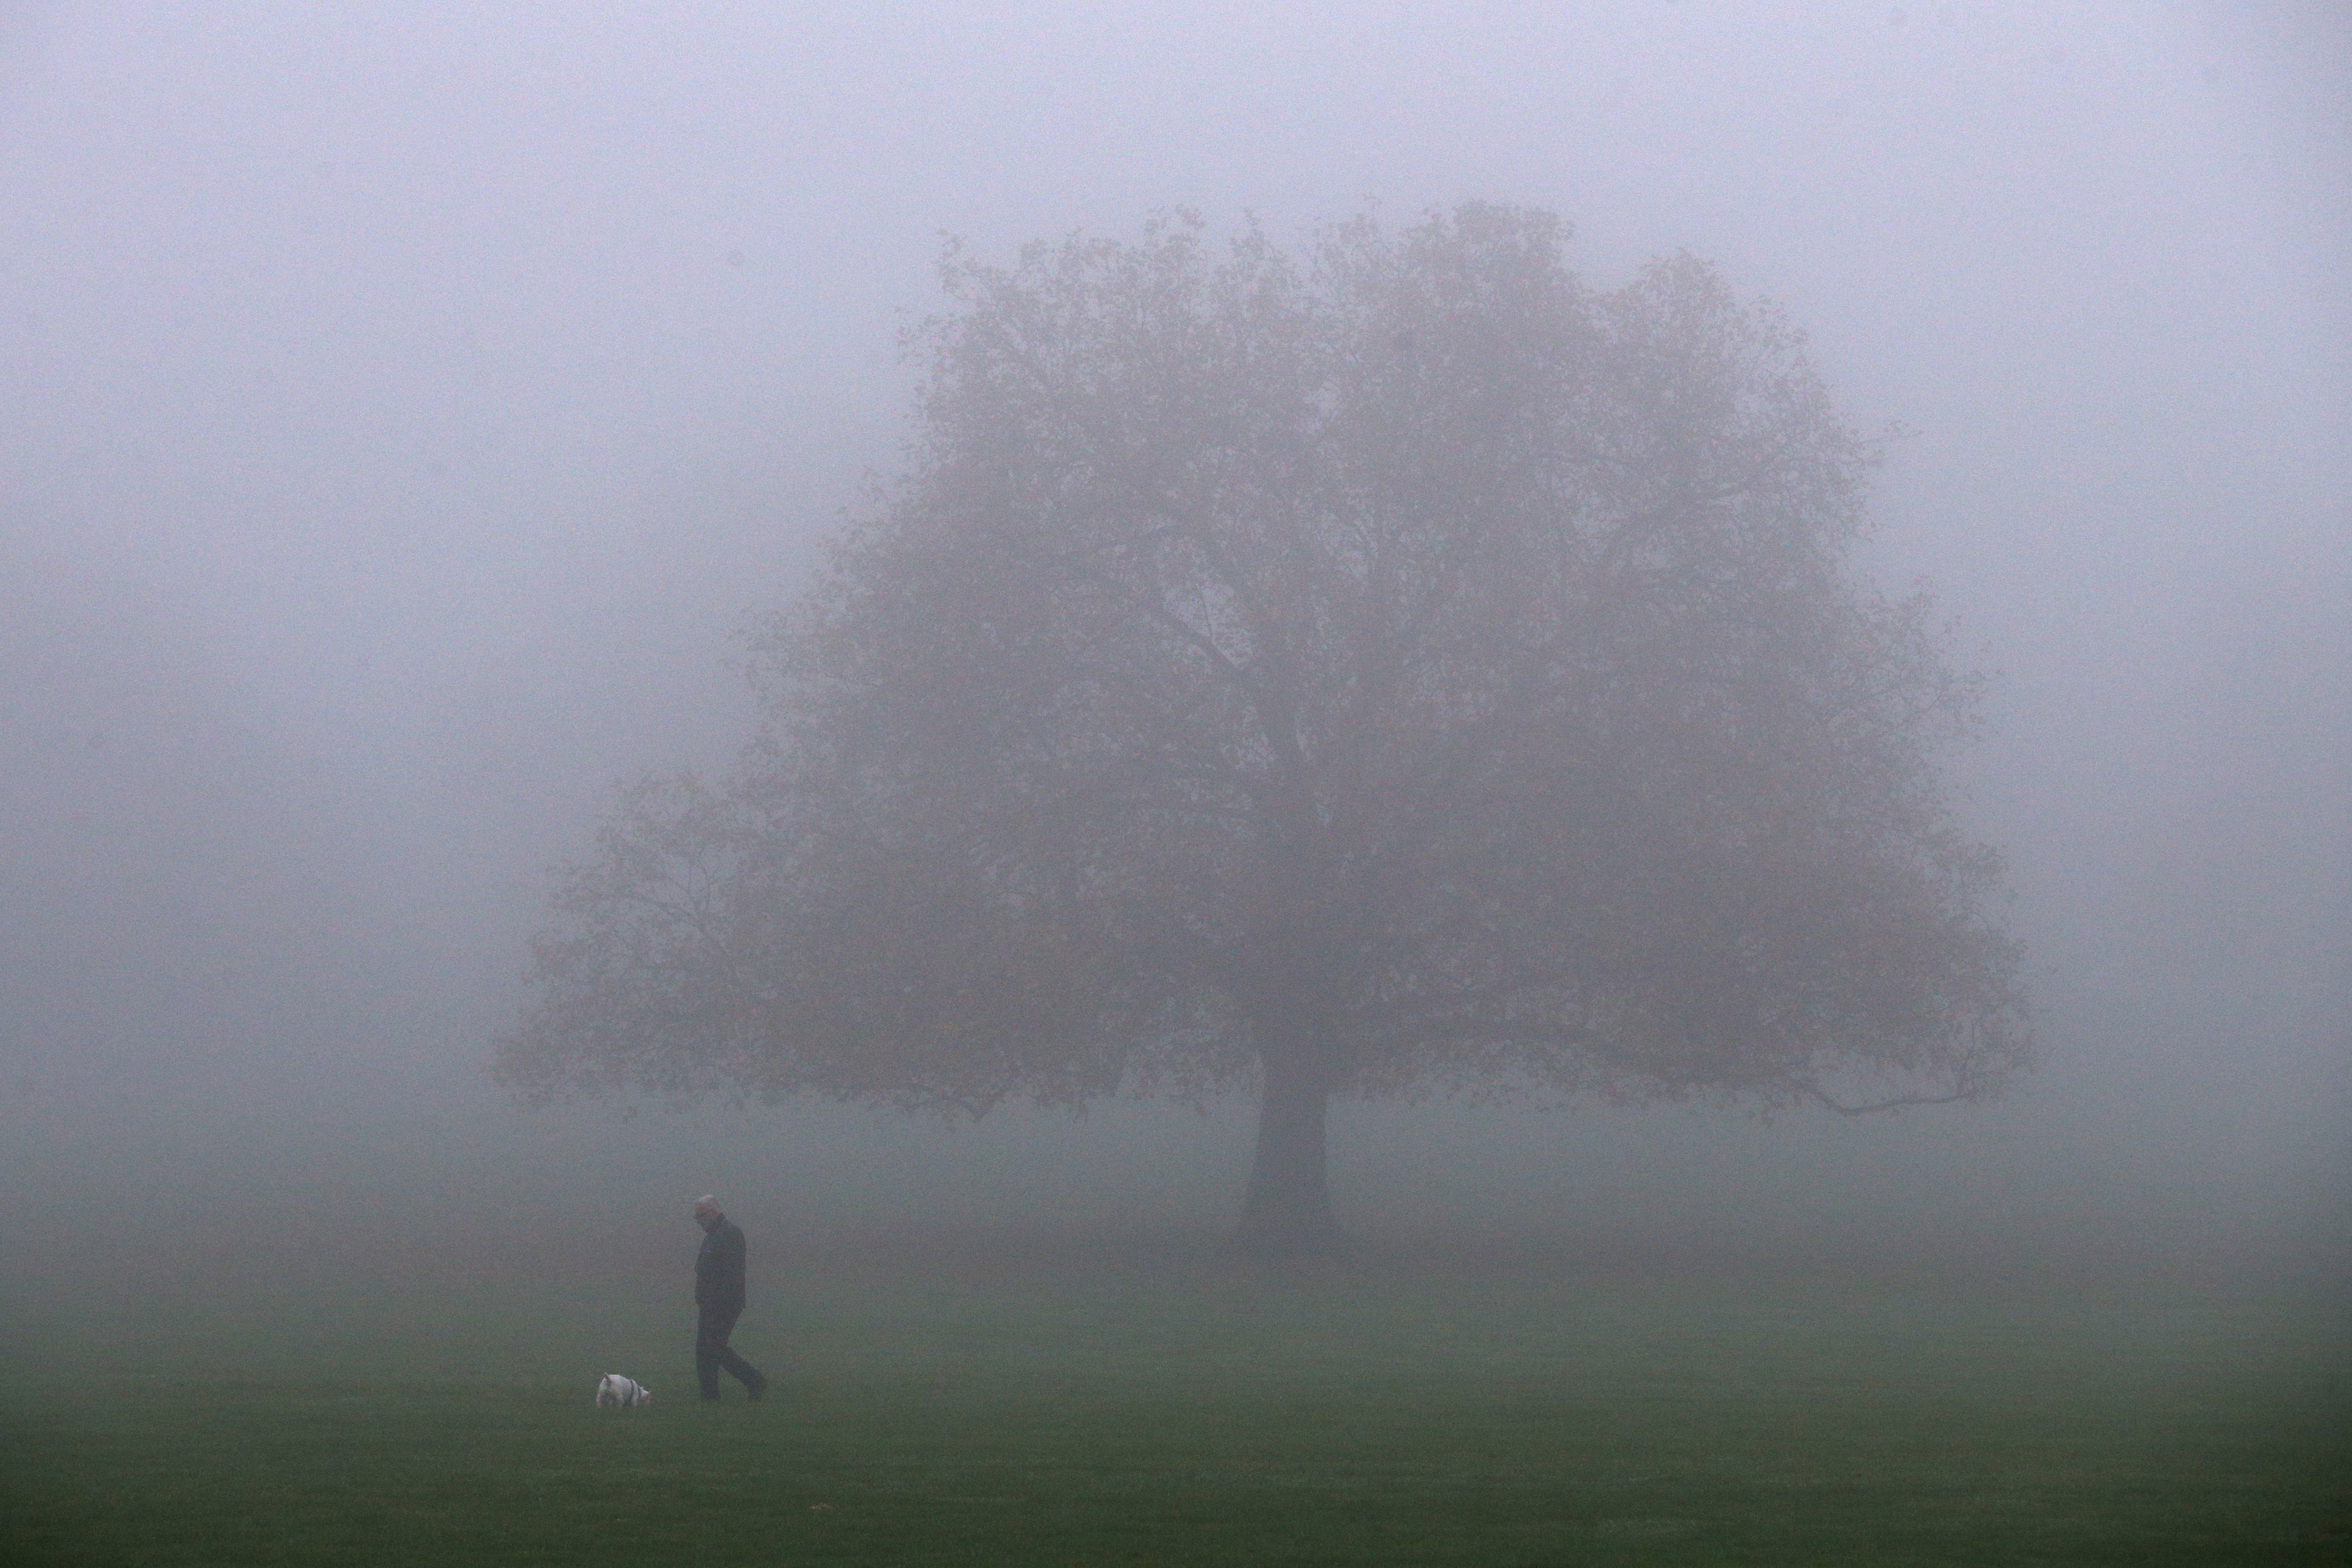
(1396, 667)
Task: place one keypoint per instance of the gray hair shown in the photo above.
(706, 1202)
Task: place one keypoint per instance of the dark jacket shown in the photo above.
(719, 1269)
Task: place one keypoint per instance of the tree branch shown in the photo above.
(1816, 1092)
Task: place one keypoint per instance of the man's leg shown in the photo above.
(711, 1331)
(742, 1371)
(711, 1352)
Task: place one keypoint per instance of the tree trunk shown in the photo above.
(1288, 1210)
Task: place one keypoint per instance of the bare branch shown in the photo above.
(1815, 1091)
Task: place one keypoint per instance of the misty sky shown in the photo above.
(406, 407)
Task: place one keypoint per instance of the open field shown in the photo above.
(1112, 1411)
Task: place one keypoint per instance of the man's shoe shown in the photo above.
(757, 1392)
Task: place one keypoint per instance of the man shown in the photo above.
(718, 1302)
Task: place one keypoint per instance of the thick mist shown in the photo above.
(408, 412)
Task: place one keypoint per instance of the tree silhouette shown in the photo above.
(1398, 668)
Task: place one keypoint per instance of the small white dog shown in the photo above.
(616, 1390)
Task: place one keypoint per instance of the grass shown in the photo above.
(1184, 1413)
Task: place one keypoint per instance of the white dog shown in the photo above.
(616, 1390)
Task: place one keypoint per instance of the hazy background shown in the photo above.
(403, 409)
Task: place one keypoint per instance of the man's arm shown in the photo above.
(734, 1254)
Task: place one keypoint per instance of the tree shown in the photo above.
(1404, 668)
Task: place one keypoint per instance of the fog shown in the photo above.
(406, 413)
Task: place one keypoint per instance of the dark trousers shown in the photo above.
(711, 1351)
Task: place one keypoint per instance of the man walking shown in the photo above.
(718, 1302)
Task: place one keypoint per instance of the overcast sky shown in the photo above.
(403, 409)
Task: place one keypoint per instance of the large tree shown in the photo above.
(1394, 668)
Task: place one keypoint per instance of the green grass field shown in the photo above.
(1188, 1412)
